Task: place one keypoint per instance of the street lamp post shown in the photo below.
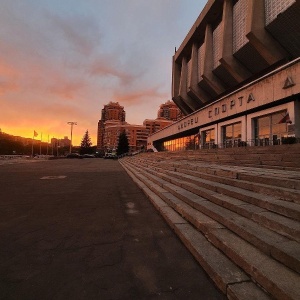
(72, 124)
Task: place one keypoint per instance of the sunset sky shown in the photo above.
(63, 60)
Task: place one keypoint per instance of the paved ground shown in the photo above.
(81, 229)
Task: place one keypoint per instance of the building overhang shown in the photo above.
(269, 90)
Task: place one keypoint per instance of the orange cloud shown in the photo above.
(7, 70)
(66, 89)
(8, 77)
(138, 96)
(6, 87)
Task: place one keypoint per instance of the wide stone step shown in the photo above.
(228, 277)
(290, 210)
(281, 178)
(277, 285)
(284, 157)
(270, 242)
(274, 277)
(277, 178)
(288, 189)
(284, 225)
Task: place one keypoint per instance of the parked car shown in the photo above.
(88, 156)
(112, 154)
(74, 155)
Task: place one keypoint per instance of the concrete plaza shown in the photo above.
(81, 229)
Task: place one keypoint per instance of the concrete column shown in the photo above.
(183, 86)
(228, 61)
(250, 129)
(244, 129)
(183, 77)
(208, 53)
(297, 117)
(181, 104)
(213, 84)
(218, 134)
(259, 38)
(176, 74)
(194, 65)
(194, 88)
(175, 78)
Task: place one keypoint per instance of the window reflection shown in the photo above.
(208, 138)
(232, 134)
(270, 129)
(185, 143)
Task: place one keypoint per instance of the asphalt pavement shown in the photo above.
(81, 229)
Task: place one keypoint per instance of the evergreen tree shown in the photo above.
(86, 144)
(123, 145)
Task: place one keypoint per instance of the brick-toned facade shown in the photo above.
(156, 124)
(169, 111)
(112, 123)
(113, 112)
(136, 134)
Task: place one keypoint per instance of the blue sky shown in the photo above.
(64, 60)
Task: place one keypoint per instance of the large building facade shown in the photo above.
(112, 123)
(111, 112)
(169, 111)
(236, 76)
(136, 135)
(154, 125)
(167, 114)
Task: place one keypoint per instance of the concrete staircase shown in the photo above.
(240, 219)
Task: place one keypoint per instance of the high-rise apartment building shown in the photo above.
(112, 123)
(153, 125)
(136, 134)
(169, 111)
(112, 112)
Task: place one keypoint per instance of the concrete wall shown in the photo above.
(200, 77)
(280, 89)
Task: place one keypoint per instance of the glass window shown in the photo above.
(237, 130)
(180, 144)
(208, 138)
(232, 134)
(270, 129)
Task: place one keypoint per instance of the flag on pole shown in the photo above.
(285, 119)
(34, 135)
(41, 144)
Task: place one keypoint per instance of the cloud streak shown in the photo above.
(81, 34)
(62, 62)
(105, 67)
